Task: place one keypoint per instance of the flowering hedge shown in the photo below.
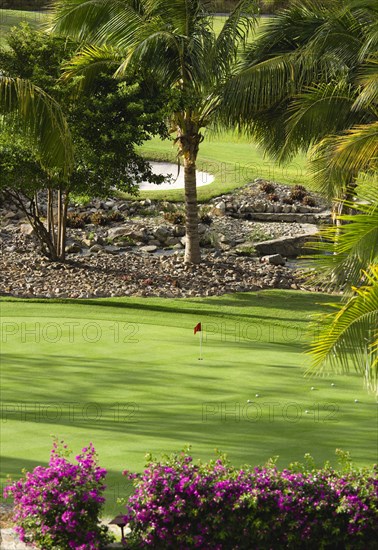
(57, 507)
(181, 504)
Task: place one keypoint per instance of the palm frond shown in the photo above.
(41, 119)
(368, 79)
(347, 337)
(338, 159)
(89, 62)
(347, 248)
(83, 19)
(312, 114)
(234, 33)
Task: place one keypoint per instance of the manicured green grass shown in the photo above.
(234, 160)
(125, 374)
(11, 18)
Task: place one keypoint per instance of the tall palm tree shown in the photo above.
(310, 82)
(176, 42)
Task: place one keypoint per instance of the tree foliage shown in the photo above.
(105, 124)
(176, 42)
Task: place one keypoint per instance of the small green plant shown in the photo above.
(75, 220)
(267, 187)
(298, 193)
(80, 199)
(273, 197)
(258, 235)
(246, 250)
(175, 218)
(125, 240)
(91, 235)
(308, 201)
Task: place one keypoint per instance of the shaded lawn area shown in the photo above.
(124, 374)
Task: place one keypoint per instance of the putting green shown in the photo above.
(125, 374)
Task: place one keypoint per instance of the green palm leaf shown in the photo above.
(345, 250)
(348, 337)
(338, 159)
(41, 118)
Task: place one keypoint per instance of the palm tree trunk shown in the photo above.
(192, 247)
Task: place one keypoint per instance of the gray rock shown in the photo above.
(149, 248)
(162, 233)
(178, 231)
(26, 229)
(221, 205)
(96, 248)
(274, 259)
(110, 249)
(171, 241)
(119, 231)
(73, 248)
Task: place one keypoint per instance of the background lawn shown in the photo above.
(124, 374)
(11, 18)
(234, 160)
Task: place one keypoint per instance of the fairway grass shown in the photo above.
(234, 161)
(11, 18)
(124, 374)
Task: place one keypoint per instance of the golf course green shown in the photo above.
(125, 374)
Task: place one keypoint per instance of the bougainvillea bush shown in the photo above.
(58, 506)
(181, 504)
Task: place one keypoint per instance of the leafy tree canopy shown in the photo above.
(106, 122)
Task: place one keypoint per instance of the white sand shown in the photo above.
(177, 180)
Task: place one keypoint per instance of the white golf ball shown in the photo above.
(257, 395)
(356, 401)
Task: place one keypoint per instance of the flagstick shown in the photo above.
(200, 357)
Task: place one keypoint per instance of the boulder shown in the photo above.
(273, 259)
(149, 248)
(162, 233)
(26, 229)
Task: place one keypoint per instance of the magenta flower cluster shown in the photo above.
(181, 504)
(58, 506)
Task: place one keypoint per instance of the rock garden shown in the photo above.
(119, 247)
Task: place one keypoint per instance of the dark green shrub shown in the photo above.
(267, 187)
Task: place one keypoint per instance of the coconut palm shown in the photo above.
(175, 41)
(309, 82)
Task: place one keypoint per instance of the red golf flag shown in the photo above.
(197, 328)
